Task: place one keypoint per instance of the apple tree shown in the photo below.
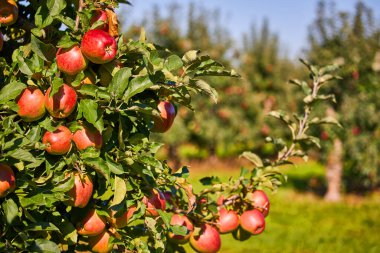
(78, 172)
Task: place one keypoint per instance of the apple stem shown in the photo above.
(80, 8)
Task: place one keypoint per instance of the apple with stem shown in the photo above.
(71, 60)
(58, 142)
(208, 240)
(260, 201)
(62, 103)
(7, 180)
(31, 104)
(98, 46)
(252, 221)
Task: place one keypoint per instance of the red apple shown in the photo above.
(58, 142)
(87, 136)
(260, 201)
(81, 192)
(92, 224)
(98, 46)
(62, 103)
(208, 241)
(155, 201)
(101, 243)
(31, 104)
(71, 60)
(228, 221)
(7, 180)
(121, 221)
(166, 119)
(183, 221)
(240, 234)
(253, 221)
(100, 15)
(8, 12)
(1, 41)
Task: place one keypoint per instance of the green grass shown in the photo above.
(301, 222)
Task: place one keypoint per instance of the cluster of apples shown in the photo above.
(8, 16)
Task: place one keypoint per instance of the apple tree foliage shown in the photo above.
(121, 104)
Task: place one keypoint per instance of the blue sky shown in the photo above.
(288, 18)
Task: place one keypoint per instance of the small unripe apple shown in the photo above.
(260, 201)
(100, 15)
(101, 243)
(253, 221)
(208, 241)
(166, 118)
(183, 221)
(228, 221)
(58, 142)
(122, 221)
(7, 180)
(71, 60)
(62, 103)
(98, 46)
(155, 201)
(92, 224)
(240, 234)
(8, 12)
(31, 104)
(87, 136)
(81, 192)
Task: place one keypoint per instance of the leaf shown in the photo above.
(137, 85)
(207, 89)
(173, 62)
(190, 56)
(114, 167)
(99, 165)
(179, 230)
(44, 51)
(120, 82)
(255, 159)
(56, 84)
(10, 210)
(44, 246)
(11, 91)
(55, 6)
(281, 115)
(120, 190)
(91, 113)
(42, 226)
(326, 120)
(22, 154)
(188, 188)
(113, 23)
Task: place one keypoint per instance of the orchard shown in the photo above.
(78, 171)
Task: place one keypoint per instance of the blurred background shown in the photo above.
(330, 203)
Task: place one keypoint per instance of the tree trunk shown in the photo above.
(334, 171)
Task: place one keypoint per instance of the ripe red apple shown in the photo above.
(62, 103)
(98, 46)
(1, 41)
(7, 180)
(58, 142)
(253, 221)
(101, 243)
(81, 192)
(92, 224)
(166, 119)
(183, 221)
(155, 201)
(260, 201)
(8, 12)
(240, 234)
(71, 60)
(228, 221)
(100, 15)
(122, 221)
(208, 241)
(31, 104)
(87, 136)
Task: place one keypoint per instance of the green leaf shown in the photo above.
(114, 167)
(22, 154)
(190, 56)
(66, 42)
(204, 87)
(56, 6)
(120, 82)
(99, 165)
(10, 210)
(44, 246)
(42, 226)
(11, 91)
(91, 113)
(44, 51)
(179, 230)
(255, 159)
(120, 190)
(137, 85)
(56, 84)
(173, 62)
